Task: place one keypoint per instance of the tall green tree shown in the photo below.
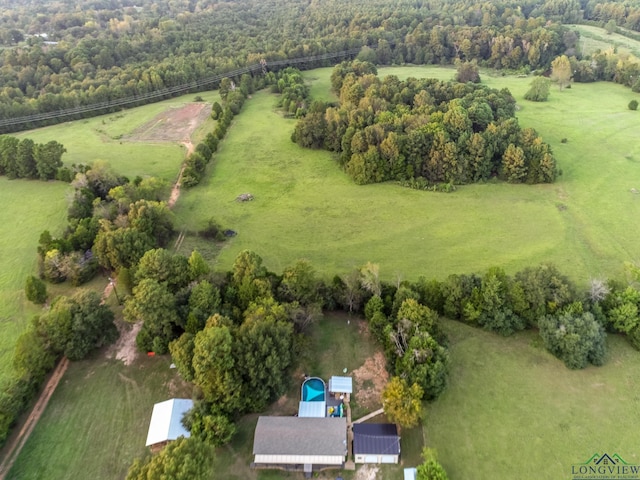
(153, 304)
(215, 369)
(264, 355)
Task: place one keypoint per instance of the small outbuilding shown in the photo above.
(376, 443)
(341, 385)
(166, 422)
(300, 444)
(410, 473)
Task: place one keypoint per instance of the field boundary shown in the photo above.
(32, 420)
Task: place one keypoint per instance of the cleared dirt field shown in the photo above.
(175, 124)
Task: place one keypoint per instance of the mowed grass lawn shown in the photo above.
(28, 208)
(97, 420)
(306, 207)
(511, 410)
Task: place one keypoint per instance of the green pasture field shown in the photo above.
(595, 38)
(97, 420)
(306, 207)
(512, 410)
(28, 208)
(105, 138)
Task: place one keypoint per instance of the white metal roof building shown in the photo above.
(312, 409)
(166, 421)
(341, 385)
(410, 474)
(301, 442)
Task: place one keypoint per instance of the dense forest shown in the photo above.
(61, 55)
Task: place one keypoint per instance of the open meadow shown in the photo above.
(123, 139)
(305, 207)
(28, 208)
(511, 409)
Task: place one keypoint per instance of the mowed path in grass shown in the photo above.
(511, 410)
(28, 208)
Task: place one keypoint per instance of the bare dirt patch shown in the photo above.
(173, 125)
(370, 380)
(366, 472)
(125, 348)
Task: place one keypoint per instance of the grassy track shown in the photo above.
(306, 207)
(513, 411)
(594, 38)
(96, 422)
(28, 208)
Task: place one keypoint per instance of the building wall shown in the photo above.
(300, 459)
(377, 458)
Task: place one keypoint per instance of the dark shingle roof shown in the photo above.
(375, 438)
(300, 436)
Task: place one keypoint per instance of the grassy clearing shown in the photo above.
(29, 207)
(96, 422)
(306, 207)
(103, 138)
(595, 38)
(514, 411)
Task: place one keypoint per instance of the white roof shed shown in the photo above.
(410, 474)
(341, 385)
(312, 409)
(166, 420)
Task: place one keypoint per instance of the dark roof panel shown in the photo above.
(375, 438)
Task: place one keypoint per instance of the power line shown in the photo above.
(149, 97)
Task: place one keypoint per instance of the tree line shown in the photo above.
(27, 159)
(114, 51)
(440, 132)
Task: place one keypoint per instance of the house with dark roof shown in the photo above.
(300, 444)
(376, 443)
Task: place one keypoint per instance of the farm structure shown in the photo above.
(166, 422)
(376, 443)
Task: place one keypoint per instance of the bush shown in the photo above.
(539, 91)
(633, 105)
(575, 338)
(35, 290)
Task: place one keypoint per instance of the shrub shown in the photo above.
(35, 290)
(575, 338)
(633, 105)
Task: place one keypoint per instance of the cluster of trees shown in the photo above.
(73, 327)
(27, 159)
(443, 132)
(111, 222)
(294, 92)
